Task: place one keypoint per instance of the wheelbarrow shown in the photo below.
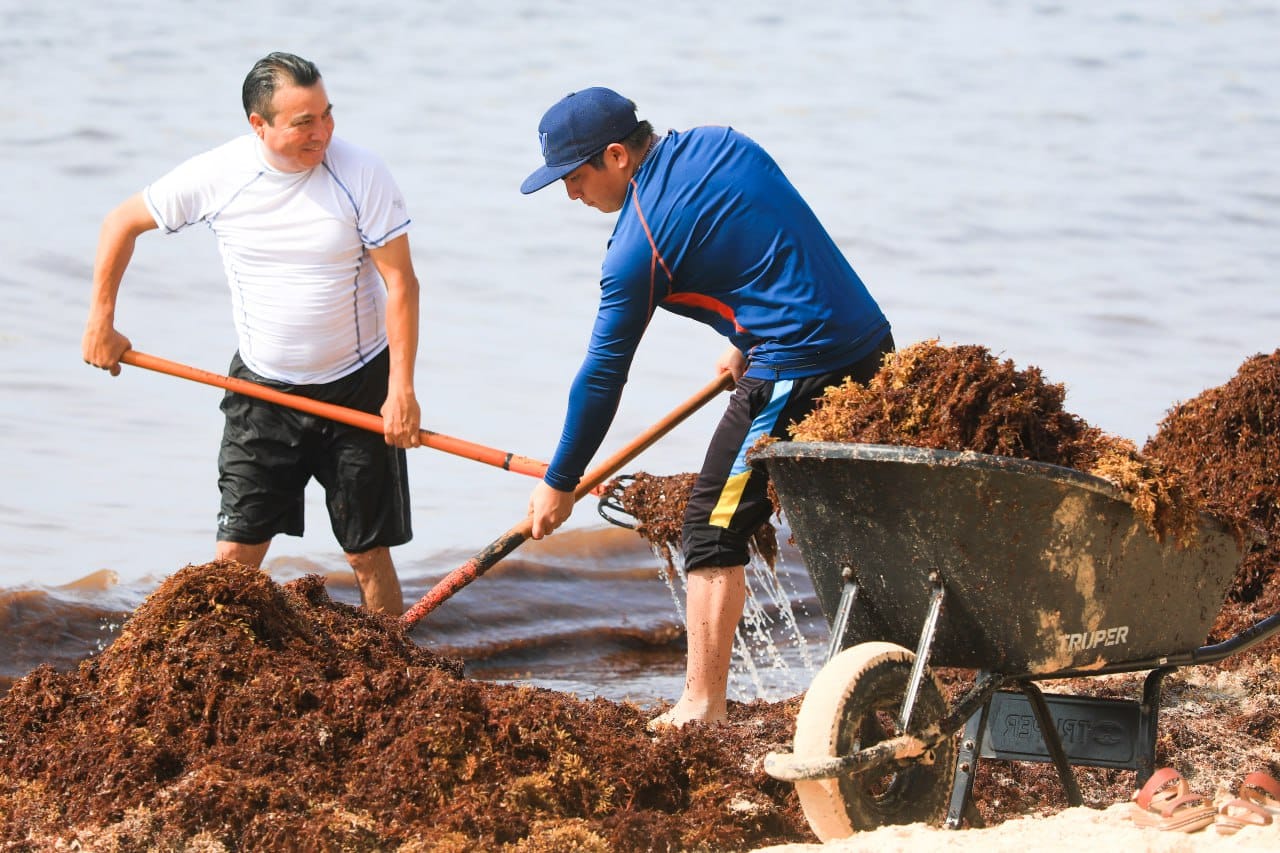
(1020, 570)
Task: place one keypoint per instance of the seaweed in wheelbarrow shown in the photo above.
(963, 398)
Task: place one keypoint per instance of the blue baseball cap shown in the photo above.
(579, 126)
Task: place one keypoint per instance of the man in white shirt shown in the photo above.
(313, 234)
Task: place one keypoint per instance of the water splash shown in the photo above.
(769, 626)
(771, 657)
(109, 630)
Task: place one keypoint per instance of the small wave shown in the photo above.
(43, 626)
(99, 581)
(590, 642)
(591, 545)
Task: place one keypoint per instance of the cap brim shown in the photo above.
(544, 175)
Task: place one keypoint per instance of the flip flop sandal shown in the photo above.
(1166, 803)
(1258, 804)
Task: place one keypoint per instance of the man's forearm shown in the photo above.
(402, 333)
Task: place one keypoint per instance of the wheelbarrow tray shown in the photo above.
(1046, 569)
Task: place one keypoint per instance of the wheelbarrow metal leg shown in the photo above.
(923, 650)
(961, 805)
(1148, 721)
(839, 625)
(971, 712)
(1052, 741)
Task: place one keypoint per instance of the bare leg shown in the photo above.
(379, 586)
(249, 554)
(715, 600)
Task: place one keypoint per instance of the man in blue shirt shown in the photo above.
(710, 228)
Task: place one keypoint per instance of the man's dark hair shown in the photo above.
(637, 141)
(268, 74)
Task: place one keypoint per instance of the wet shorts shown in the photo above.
(730, 499)
(270, 452)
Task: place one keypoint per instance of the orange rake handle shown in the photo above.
(591, 484)
(341, 414)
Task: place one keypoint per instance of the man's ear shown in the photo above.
(257, 122)
(617, 154)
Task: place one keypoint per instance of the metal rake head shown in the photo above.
(610, 505)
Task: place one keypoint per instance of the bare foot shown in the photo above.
(677, 716)
(663, 721)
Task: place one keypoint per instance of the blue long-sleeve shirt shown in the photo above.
(712, 229)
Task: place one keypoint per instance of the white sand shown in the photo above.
(1079, 829)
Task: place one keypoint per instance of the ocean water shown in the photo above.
(1090, 188)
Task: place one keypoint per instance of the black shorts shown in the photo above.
(730, 499)
(270, 452)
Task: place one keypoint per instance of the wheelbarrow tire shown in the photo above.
(852, 704)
